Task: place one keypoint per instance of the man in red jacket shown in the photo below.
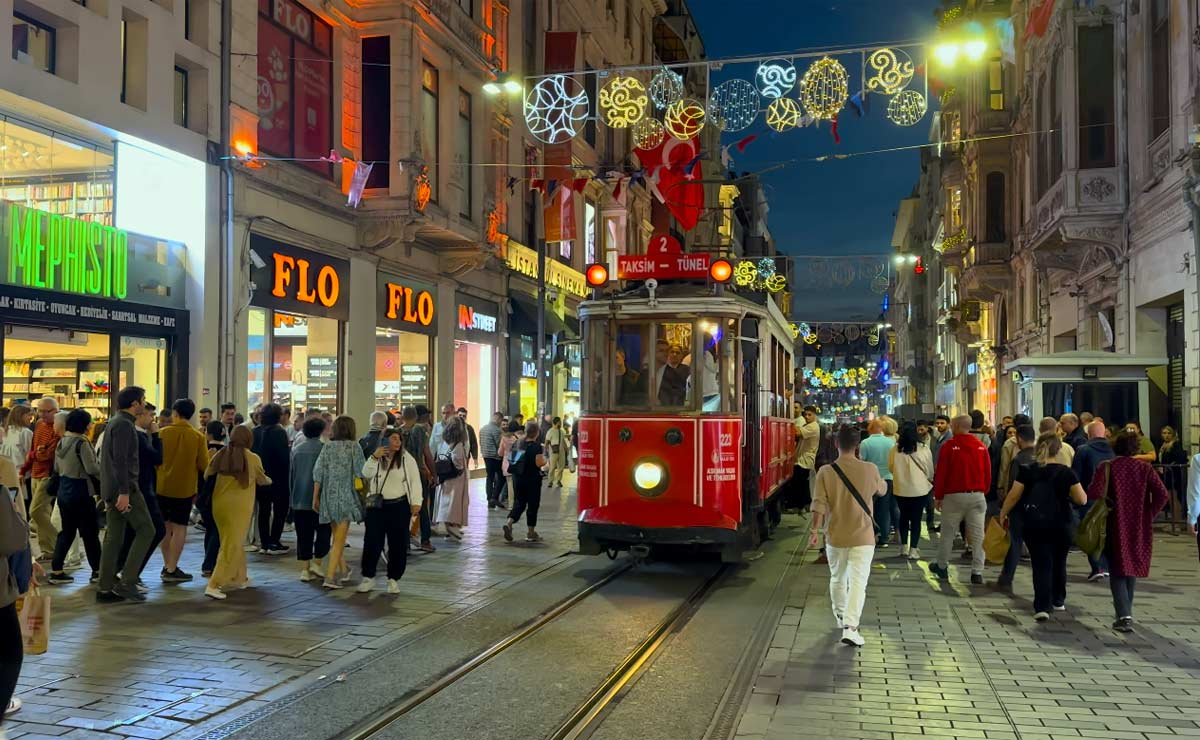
(39, 464)
(963, 474)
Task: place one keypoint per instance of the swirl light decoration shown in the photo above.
(684, 118)
(907, 108)
(623, 101)
(784, 114)
(825, 88)
(647, 133)
(775, 78)
(666, 87)
(733, 105)
(553, 112)
(893, 70)
(759, 276)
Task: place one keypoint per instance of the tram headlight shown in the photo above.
(650, 477)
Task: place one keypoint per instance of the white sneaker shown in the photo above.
(251, 548)
(852, 637)
(316, 567)
(393, 586)
(914, 554)
(14, 706)
(306, 575)
(904, 551)
(366, 585)
(1041, 616)
(215, 593)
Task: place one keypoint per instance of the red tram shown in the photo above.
(685, 438)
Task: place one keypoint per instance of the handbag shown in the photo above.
(35, 622)
(1092, 533)
(444, 467)
(375, 497)
(996, 541)
(857, 496)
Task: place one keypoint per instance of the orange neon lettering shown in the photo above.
(425, 308)
(283, 274)
(394, 293)
(328, 286)
(410, 315)
(466, 317)
(303, 291)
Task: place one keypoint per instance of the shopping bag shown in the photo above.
(995, 541)
(35, 622)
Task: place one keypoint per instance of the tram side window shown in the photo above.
(673, 363)
(631, 365)
(595, 352)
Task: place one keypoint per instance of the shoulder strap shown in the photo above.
(853, 491)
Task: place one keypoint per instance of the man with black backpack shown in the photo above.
(843, 505)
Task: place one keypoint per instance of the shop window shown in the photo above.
(72, 367)
(995, 82)
(377, 108)
(181, 97)
(54, 173)
(304, 362)
(429, 125)
(256, 358)
(994, 227)
(144, 363)
(1097, 98)
(403, 370)
(462, 157)
(475, 373)
(1160, 67)
(295, 65)
(33, 43)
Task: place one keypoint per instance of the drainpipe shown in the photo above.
(226, 303)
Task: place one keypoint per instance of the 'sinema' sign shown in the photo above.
(61, 253)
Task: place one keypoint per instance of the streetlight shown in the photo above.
(968, 41)
(505, 83)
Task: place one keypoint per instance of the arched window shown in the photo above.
(1043, 140)
(994, 216)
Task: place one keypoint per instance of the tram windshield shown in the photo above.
(676, 366)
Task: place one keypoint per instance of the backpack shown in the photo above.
(517, 461)
(444, 467)
(1043, 507)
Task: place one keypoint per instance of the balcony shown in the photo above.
(986, 271)
(676, 37)
(1081, 211)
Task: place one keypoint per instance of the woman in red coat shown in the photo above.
(1136, 495)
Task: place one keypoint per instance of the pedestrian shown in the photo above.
(149, 458)
(416, 441)
(1088, 457)
(18, 435)
(1173, 455)
(236, 471)
(229, 420)
(1066, 453)
(14, 539)
(978, 431)
(125, 507)
(489, 448)
(312, 537)
(472, 439)
(1193, 496)
(808, 438)
(507, 440)
(1007, 452)
(216, 440)
(285, 423)
(38, 465)
(1145, 446)
(877, 449)
(451, 468)
(75, 463)
(271, 446)
(1044, 492)
(556, 441)
(204, 416)
(334, 496)
(526, 458)
(844, 494)
(962, 476)
(1135, 494)
(911, 465)
(392, 475)
(1024, 456)
(939, 435)
(435, 437)
(185, 458)
(296, 429)
(1073, 433)
(374, 436)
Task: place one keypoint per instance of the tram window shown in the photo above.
(714, 370)
(595, 352)
(673, 362)
(630, 365)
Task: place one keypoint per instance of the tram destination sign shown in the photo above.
(663, 266)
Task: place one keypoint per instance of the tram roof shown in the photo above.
(682, 301)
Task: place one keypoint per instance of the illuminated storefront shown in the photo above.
(296, 326)
(406, 324)
(476, 367)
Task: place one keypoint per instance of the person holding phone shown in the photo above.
(392, 474)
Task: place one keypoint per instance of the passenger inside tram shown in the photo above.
(631, 384)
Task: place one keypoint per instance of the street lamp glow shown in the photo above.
(975, 49)
(491, 88)
(512, 86)
(946, 53)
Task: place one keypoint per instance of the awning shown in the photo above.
(525, 318)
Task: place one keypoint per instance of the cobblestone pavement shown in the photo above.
(952, 660)
(156, 669)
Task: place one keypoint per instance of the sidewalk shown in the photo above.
(155, 669)
(951, 660)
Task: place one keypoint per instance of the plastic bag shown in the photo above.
(995, 541)
(35, 622)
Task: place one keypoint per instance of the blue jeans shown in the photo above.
(1016, 541)
(1100, 564)
(884, 506)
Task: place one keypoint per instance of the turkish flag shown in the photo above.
(1039, 19)
(680, 186)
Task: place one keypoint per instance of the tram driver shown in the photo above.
(672, 374)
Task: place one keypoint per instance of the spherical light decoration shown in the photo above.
(666, 87)
(774, 78)
(824, 89)
(623, 101)
(893, 70)
(555, 108)
(647, 133)
(684, 118)
(907, 108)
(783, 114)
(733, 105)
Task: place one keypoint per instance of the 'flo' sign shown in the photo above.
(60, 253)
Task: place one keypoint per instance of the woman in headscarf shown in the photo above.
(238, 471)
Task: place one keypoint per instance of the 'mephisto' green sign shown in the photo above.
(66, 254)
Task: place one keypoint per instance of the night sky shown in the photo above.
(836, 207)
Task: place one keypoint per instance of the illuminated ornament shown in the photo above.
(684, 118)
(824, 89)
(552, 112)
(733, 105)
(647, 133)
(493, 226)
(873, 337)
(759, 276)
(774, 78)
(423, 190)
(784, 114)
(665, 88)
(907, 108)
(795, 330)
(893, 71)
(623, 101)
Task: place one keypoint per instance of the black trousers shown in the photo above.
(528, 501)
(160, 531)
(212, 537)
(11, 653)
(78, 512)
(911, 509)
(312, 537)
(495, 479)
(798, 492)
(273, 503)
(1048, 550)
(388, 522)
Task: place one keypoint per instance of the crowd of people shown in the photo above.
(874, 483)
(111, 494)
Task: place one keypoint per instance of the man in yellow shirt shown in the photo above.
(185, 458)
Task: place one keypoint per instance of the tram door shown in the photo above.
(752, 422)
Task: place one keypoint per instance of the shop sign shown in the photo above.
(523, 260)
(477, 317)
(48, 251)
(469, 318)
(528, 369)
(40, 307)
(405, 304)
(292, 279)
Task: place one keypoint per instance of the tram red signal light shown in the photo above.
(720, 271)
(597, 275)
